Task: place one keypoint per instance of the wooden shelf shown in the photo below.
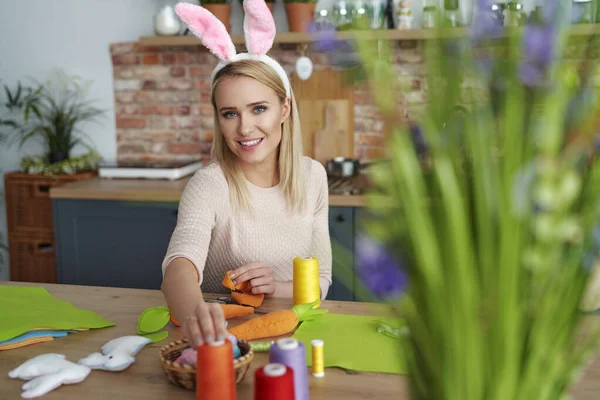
(303, 38)
(384, 34)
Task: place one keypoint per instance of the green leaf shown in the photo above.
(153, 319)
(156, 336)
(306, 312)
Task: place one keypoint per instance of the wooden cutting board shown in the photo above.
(326, 107)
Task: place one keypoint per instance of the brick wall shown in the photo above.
(163, 111)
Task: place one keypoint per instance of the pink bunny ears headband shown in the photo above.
(259, 32)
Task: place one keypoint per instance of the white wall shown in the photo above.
(37, 35)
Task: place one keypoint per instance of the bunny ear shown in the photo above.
(259, 27)
(208, 28)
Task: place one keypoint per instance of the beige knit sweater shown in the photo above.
(216, 241)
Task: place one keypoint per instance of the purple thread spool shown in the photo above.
(291, 352)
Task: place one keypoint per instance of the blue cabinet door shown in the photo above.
(112, 243)
(341, 231)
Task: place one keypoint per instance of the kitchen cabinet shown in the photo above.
(341, 231)
(122, 243)
(112, 243)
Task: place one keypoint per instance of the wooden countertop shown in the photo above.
(144, 379)
(151, 190)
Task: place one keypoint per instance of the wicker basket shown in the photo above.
(185, 375)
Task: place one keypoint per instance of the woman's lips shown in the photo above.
(249, 145)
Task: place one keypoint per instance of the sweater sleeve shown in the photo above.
(321, 242)
(195, 220)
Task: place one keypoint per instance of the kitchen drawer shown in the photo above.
(32, 258)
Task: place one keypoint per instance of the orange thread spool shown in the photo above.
(215, 375)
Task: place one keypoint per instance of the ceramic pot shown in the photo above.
(57, 156)
(222, 12)
(299, 15)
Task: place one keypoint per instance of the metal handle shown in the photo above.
(43, 248)
(42, 190)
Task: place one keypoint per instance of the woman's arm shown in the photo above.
(181, 289)
(201, 322)
(184, 262)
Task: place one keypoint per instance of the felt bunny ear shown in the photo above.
(259, 27)
(208, 28)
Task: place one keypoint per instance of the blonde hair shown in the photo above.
(291, 173)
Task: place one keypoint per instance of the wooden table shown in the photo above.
(144, 379)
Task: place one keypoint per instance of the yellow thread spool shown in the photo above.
(306, 280)
(318, 358)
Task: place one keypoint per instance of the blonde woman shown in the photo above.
(259, 204)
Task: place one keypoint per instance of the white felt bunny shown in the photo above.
(117, 354)
(259, 32)
(46, 372)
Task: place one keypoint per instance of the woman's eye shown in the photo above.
(260, 109)
(229, 114)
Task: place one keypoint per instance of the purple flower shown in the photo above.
(539, 51)
(550, 12)
(418, 140)
(324, 36)
(378, 270)
(485, 4)
(539, 44)
(325, 40)
(530, 74)
(486, 25)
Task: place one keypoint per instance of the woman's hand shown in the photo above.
(259, 277)
(206, 324)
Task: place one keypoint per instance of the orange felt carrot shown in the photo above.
(246, 298)
(230, 311)
(276, 323)
(233, 311)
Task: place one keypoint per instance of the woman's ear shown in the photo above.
(286, 109)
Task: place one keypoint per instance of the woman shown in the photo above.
(255, 207)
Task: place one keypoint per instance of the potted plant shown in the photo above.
(220, 9)
(299, 14)
(55, 115)
(489, 254)
(18, 107)
(270, 4)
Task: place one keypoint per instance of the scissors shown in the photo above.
(230, 300)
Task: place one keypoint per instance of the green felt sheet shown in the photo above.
(352, 342)
(25, 308)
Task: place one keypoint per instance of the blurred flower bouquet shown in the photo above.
(487, 249)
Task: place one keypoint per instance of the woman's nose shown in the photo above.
(246, 126)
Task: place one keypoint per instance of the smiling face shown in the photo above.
(250, 115)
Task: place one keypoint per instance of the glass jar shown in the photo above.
(376, 13)
(342, 14)
(430, 14)
(514, 14)
(451, 14)
(582, 12)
